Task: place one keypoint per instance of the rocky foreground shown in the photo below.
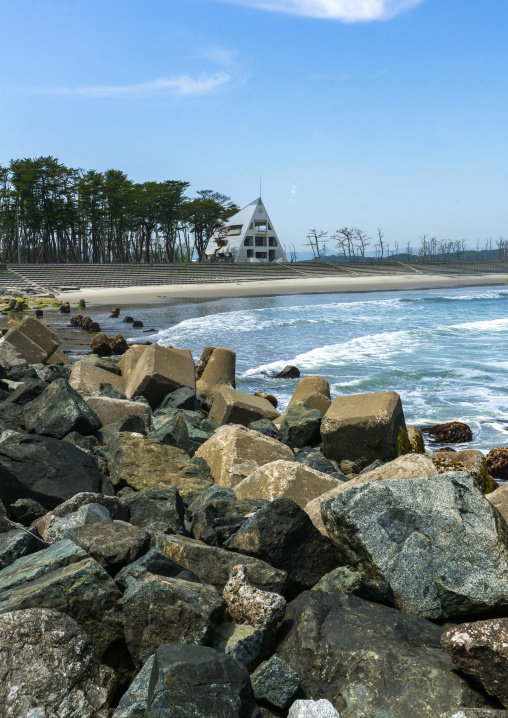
(171, 547)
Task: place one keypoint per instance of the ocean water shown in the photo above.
(445, 351)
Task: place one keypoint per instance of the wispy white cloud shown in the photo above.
(222, 56)
(343, 10)
(180, 85)
(292, 192)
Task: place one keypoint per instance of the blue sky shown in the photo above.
(368, 113)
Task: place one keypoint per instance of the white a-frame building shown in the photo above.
(247, 236)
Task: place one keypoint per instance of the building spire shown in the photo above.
(260, 188)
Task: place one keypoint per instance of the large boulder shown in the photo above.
(365, 427)
(110, 410)
(234, 452)
(470, 460)
(481, 650)
(116, 509)
(288, 479)
(50, 668)
(499, 499)
(242, 642)
(153, 562)
(348, 580)
(422, 537)
(453, 432)
(216, 519)
(161, 610)
(200, 682)
(158, 371)
(137, 461)
(497, 463)
(275, 683)
(249, 605)
(370, 660)
(64, 578)
(312, 709)
(28, 341)
(113, 544)
(301, 425)
(314, 459)
(133, 703)
(282, 535)
(157, 511)
(88, 514)
(44, 469)
(26, 392)
(213, 565)
(236, 407)
(17, 543)
(58, 411)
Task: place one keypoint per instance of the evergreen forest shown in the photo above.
(53, 213)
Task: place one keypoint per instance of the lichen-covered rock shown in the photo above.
(114, 505)
(416, 440)
(470, 460)
(242, 642)
(350, 581)
(497, 463)
(167, 610)
(249, 605)
(422, 537)
(282, 534)
(301, 425)
(370, 660)
(62, 577)
(290, 479)
(275, 683)
(215, 520)
(200, 682)
(58, 411)
(174, 432)
(87, 514)
(49, 667)
(213, 565)
(312, 709)
(17, 543)
(136, 461)
(234, 452)
(314, 459)
(481, 650)
(157, 511)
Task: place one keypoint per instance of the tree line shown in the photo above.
(53, 213)
(353, 243)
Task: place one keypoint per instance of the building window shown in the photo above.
(250, 253)
(261, 225)
(272, 242)
(260, 255)
(260, 241)
(247, 242)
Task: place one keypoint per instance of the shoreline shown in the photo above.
(155, 294)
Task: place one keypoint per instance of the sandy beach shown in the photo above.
(159, 293)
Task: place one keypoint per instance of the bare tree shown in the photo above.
(380, 237)
(345, 240)
(315, 238)
(502, 246)
(362, 240)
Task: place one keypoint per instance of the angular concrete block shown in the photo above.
(131, 357)
(58, 357)
(158, 371)
(111, 410)
(314, 391)
(16, 348)
(365, 427)
(220, 370)
(40, 334)
(87, 377)
(236, 407)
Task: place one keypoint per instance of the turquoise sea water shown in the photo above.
(445, 351)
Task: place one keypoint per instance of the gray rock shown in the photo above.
(50, 668)
(44, 469)
(133, 703)
(275, 683)
(313, 709)
(243, 643)
(481, 650)
(220, 517)
(157, 511)
(268, 428)
(283, 535)
(87, 443)
(370, 660)
(301, 425)
(316, 460)
(25, 511)
(131, 423)
(62, 577)
(473, 713)
(213, 565)
(26, 392)
(421, 535)
(17, 543)
(58, 411)
(348, 580)
(173, 433)
(161, 610)
(153, 562)
(184, 398)
(114, 544)
(88, 514)
(249, 605)
(110, 391)
(199, 682)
